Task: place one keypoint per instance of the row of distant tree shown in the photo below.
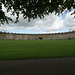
(35, 33)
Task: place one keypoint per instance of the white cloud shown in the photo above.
(9, 28)
(69, 21)
(54, 26)
(50, 24)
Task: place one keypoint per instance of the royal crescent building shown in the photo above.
(53, 36)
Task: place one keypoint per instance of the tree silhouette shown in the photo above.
(34, 8)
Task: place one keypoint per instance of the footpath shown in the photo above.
(50, 66)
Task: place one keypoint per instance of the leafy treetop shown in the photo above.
(34, 8)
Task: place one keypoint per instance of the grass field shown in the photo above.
(28, 49)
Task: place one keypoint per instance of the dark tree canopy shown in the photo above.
(34, 8)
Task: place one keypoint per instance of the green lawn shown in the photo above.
(28, 49)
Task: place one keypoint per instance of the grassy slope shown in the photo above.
(27, 49)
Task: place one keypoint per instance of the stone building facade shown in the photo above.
(53, 36)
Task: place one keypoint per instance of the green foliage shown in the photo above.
(30, 49)
(34, 8)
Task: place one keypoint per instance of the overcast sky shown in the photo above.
(50, 24)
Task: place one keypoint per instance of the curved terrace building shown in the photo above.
(16, 36)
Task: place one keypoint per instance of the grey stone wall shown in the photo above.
(15, 36)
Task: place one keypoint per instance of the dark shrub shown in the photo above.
(69, 38)
(40, 38)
